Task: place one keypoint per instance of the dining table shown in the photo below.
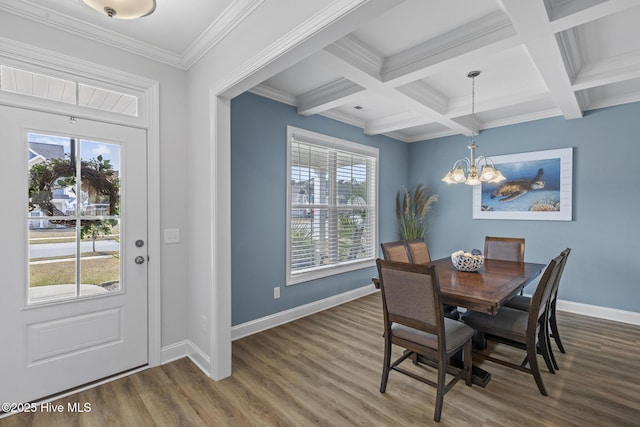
(484, 290)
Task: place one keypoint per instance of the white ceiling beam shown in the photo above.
(486, 36)
(427, 95)
(329, 96)
(531, 22)
(578, 12)
(393, 123)
(607, 71)
(340, 58)
(460, 106)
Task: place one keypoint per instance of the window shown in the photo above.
(39, 85)
(332, 205)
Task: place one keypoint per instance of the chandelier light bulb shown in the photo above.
(469, 174)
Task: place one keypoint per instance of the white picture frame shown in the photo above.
(539, 186)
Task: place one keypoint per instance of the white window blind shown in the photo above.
(332, 203)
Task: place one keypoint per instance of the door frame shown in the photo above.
(147, 90)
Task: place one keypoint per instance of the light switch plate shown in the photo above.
(171, 235)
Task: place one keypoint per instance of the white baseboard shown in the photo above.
(188, 349)
(599, 312)
(276, 319)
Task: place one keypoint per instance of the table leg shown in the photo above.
(479, 376)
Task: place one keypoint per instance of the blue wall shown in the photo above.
(258, 205)
(604, 267)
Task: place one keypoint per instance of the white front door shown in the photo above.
(73, 234)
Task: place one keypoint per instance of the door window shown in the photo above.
(73, 218)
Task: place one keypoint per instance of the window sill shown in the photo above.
(328, 271)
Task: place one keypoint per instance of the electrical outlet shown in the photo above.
(276, 292)
(203, 324)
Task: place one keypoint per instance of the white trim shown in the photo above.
(220, 238)
(277, 319)
(251, 73)
(240, 80)
(186, 348)
(154, 252)
(149, 120)
(607, 313)
(228, 20)
(35, 59)
(334, 266)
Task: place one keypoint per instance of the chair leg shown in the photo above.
(545, 348)
(533, 365)
(554, 330)
(468, 362)
(387, 363)
(442, 372)
(553, 358)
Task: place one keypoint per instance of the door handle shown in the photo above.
(139, 259)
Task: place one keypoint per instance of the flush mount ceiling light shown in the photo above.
(466, 169)
(123, 9)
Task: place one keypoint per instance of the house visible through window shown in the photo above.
(332, 205)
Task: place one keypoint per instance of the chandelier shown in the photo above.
(123, 9)
(473, 170)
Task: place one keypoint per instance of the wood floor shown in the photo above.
(325, 370)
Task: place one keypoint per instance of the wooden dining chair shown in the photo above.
(521, 329)
(395, 251)
(522, 302)
(419, 251)
(413, 320)
(504, 248)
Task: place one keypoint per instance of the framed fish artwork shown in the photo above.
(538, 186)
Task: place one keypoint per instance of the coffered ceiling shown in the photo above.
(404, 74)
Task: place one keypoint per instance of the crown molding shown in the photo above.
(285, 98)
(54, 19)
(231, 17)
(274, 94)
(490, 30)
(394, 123)
(322, 98)
(608, 71)
(425, 94)
(514, 120)
(571, 51)
(303, 32)
(358, 54)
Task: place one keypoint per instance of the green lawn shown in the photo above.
(93, 271)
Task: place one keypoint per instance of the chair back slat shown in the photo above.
(395, 251)
(419, 251)
(504, 248)
(541, 296)
(556, 284)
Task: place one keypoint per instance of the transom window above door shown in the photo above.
(331, 205)
(39, 85)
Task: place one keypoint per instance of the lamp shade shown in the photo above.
(123, 9)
